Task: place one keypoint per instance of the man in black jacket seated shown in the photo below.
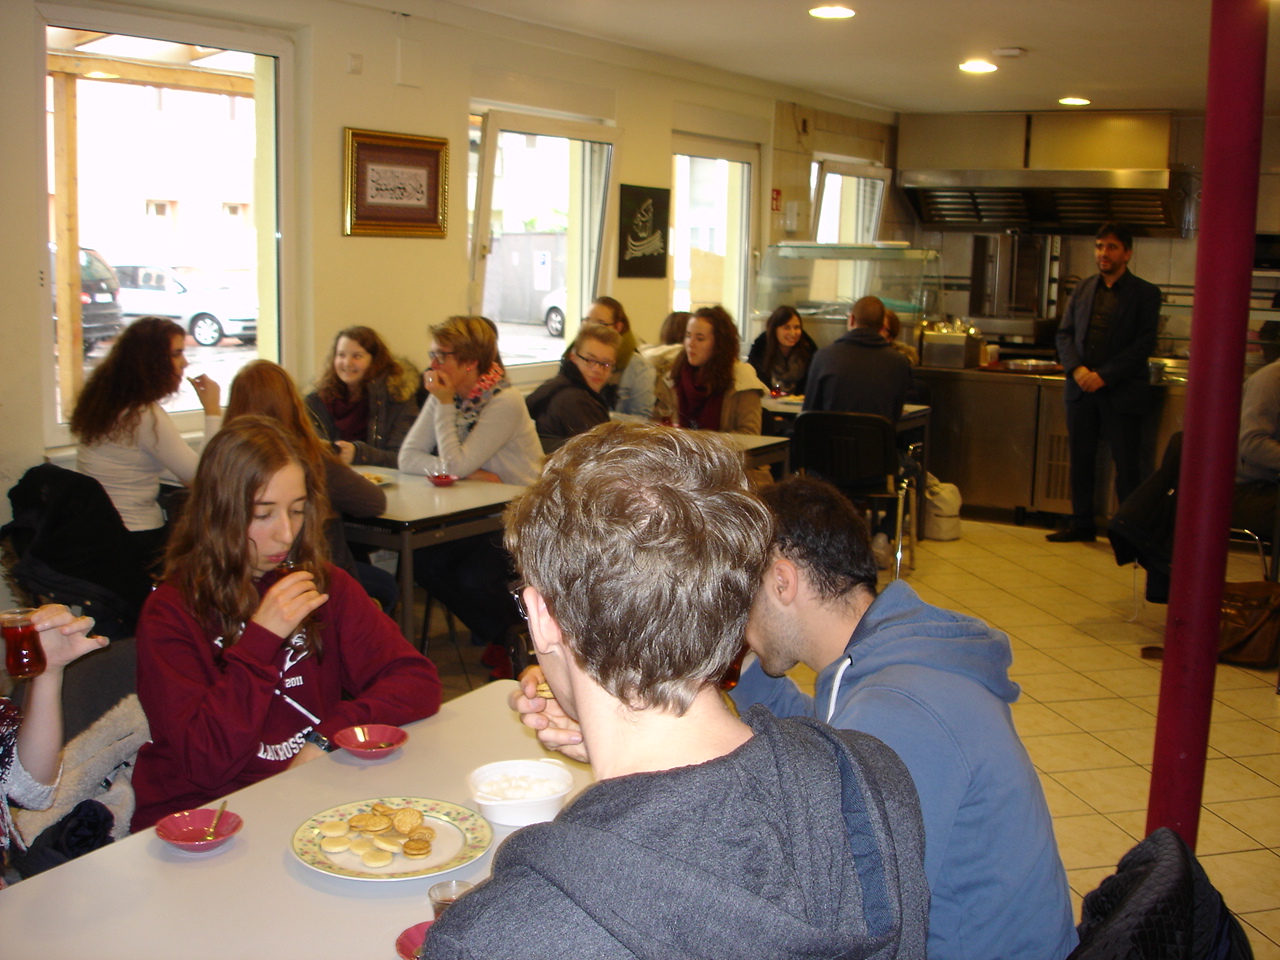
(641, 548)
(570, 402)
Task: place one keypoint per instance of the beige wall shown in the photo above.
(397, 285)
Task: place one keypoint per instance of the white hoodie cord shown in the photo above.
(835, 687)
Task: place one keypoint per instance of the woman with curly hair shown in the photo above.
(125, 439)
(708, 387)
(246, 664)
(365, 401)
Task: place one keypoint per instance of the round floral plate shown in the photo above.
(462, 835)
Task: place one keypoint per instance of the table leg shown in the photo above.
(404, 567)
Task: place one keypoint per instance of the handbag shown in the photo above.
(1249, 633)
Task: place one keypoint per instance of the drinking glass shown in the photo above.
(445, 893)
(23, 654)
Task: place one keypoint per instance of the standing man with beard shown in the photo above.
(1107, 334)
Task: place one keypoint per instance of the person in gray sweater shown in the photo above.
(707, 835)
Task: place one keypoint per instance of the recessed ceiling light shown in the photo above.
(1074, 102)
(101, 75)
(977, 66)
(831, 13)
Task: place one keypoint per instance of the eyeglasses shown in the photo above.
(437, 356)
(604, 365)
(517, 594)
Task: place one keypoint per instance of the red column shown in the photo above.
(1224, 263)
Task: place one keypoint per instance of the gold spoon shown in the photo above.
(213, 827)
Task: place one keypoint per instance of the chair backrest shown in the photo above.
(855, 451)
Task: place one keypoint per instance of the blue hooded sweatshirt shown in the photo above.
(934, 685)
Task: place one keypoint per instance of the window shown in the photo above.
(541, 190)
(711, 225)
(192, 114)
(848, 200)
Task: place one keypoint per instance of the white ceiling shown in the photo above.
(903, 54)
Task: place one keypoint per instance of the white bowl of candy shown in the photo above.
(516, 793)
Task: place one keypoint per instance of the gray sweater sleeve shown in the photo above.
(1259, 457)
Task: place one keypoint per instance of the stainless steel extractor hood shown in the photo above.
(1150, 202)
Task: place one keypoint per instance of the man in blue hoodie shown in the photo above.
(934, 686)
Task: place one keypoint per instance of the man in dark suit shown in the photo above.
(1107, 334)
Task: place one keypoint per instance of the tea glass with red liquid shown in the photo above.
(23, 654)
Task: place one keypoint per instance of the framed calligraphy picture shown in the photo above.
(396, 185)
(644, 215)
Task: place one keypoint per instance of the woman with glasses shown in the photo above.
(570, 402)
(474, 425)
(631, 384)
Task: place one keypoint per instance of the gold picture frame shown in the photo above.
(396, 185)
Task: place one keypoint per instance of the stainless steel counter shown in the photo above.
(1002, 437)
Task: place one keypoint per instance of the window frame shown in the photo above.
(259, 42)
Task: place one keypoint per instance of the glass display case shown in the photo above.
(822, 281)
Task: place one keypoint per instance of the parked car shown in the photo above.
(209, 312)
(553, 311)
(100, 314)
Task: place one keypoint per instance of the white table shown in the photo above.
(138, 898)
(761, 451)
(420, 514)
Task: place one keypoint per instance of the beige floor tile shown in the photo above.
(1091, 840)
(954, 585)
(1263, 948)
(1135, 682)
(1099, 656)
(1052, 636)
(1248, 881)
(1057, 752)
(1238, 678)
(1037, 719)
(1215, 835)
(1112, 714)
(1017, 615)
(1228, 779)
(1243, 738)
(1259, 818)
(1027, 661)
(1261, 703)
(1266, 922)
(1266, 766)
(1119, 633)
(979, 598)
(1109, 791)
(1148, 704)
(1050, 687)
(1137, 744)
(960, 550)
(1061, 801)
(1087, 880)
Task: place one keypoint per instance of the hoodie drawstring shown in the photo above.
(835, 686)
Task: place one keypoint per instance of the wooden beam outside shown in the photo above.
(67, 235)
(152, 74)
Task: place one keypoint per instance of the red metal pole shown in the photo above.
(1224, 263)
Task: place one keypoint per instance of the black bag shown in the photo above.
(1249, 635)
(87, 827)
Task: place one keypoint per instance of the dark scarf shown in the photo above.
(699, 408)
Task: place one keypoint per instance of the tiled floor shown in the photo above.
(1088, 706)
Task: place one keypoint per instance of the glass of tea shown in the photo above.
(444, 894)
(23, 654)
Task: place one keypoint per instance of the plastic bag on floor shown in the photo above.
(941, 510)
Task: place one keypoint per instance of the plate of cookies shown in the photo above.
(392, 838)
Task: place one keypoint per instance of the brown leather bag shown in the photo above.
(1249, 635)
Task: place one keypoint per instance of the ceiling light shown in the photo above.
(831, 13)
(977, 66)
(1074, 102)
(101, 75)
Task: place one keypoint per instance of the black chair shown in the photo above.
(858, 453)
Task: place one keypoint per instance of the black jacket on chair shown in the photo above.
(1142, 528)
(73, 547)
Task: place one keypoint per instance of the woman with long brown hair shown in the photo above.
(709, 388)
(265, 388)
(246, 665)
(126, 441)
(365, 401)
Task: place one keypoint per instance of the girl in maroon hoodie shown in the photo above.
(242, 664)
